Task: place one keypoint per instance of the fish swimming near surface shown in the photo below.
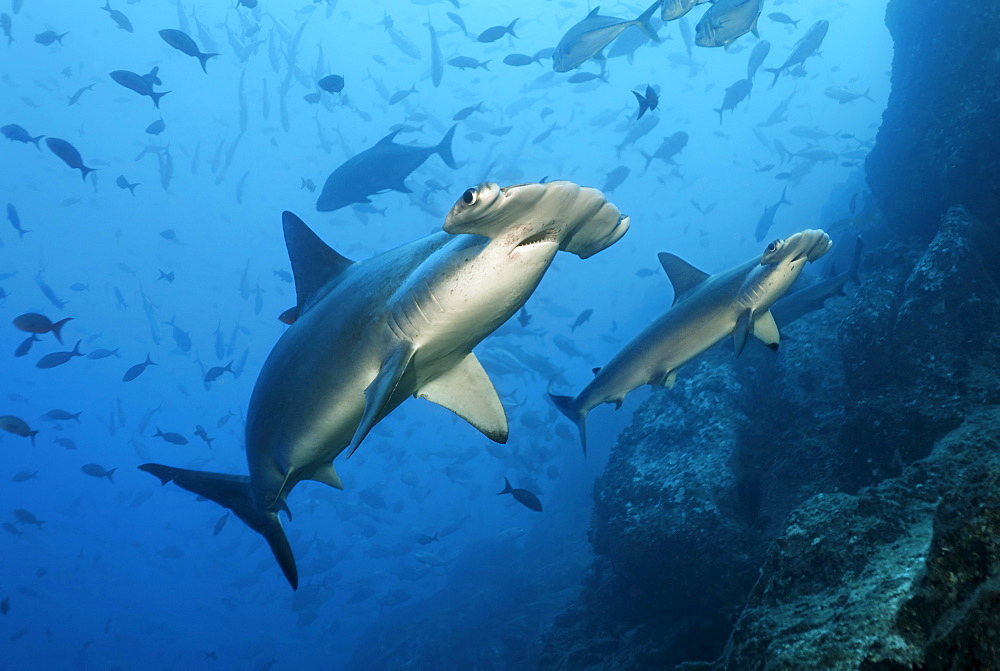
(706, 309)
(18, 427)
(589, 37)
(383, 167)
(803, 49)
(675, 9)
(53, 359)
(137, 370)
(16, 133)
(522, 496)
(141, 84)
(185, 44)
(404, 323)
(69, 155)
(767, 218)
(32, 322)
(727, 20)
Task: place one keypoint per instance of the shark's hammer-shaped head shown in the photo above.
(780, 265)
(577, 219)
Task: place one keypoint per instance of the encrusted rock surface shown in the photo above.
(820, 465)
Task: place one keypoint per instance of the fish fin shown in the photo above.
(467, 391)
(203, 58)
(765, 330)
(156, 95)
(402, 188)
(507, 489)
(567, 406)
(753, 27)
(741, 332)
(594, 12)
(670, 379)
(595, 371)
(783, 199)
(326, 474)
(777, 72)
(56, 329)
(682, 275)
(314, 263)
(380, 391)
(388, 138)
(643, 22)
(443, 148)
(233, 492)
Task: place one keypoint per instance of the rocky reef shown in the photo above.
(826, 507)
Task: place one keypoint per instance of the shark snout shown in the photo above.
(810, 244)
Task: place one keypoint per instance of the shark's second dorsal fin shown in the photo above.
(681, 274)
(314, 263)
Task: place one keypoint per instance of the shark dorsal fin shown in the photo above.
(314, 263)
(594, 12)
(683, 276)
(388, 138)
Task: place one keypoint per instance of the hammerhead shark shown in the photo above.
(706, 309)
(366, 335)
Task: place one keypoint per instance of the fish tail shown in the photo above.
(56, 328)
(776, 71)
(783, 199)
(648, 157)
(156, 95)
(110, 474)
(507, 489)
(567, 406)
(485, 65)
(84, 171)
(203, 58)
(77, 352)
(643, 22)
(719, 110)
(233, 492)
(444, 148)
(856, 261)
(643, 104)
(510, 27)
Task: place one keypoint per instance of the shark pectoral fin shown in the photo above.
(379, 392)
(233, 492)
(766, 330)
(741, 332)
(682, 275)
(670, 379)
(327, 475)
(467, 391)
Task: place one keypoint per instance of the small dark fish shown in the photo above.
(124, 184)
(181, 337)
(183, 43)
(22, 516)
(169, 277)
(647, 102)
(17, 426)
(15, 220)
(156, 127)
(25, 345)
(48, 37)
(465, 112)
(136, 370)
(424, 539)
(5, 606)
(215, 372)
(496, 32)
(331, 83)
(75, 98)
(68, 154)
(582, 77)
(59, 415)
(24, 476)
(307, 184)
(32, 322)
(48, 292)
(120, 19)
(200, 431)
(54, 359)
(11, 529)
(103, 353)
(220, 524)
(168, 234)
(458, 21)
(520, 60)
(781, 17)
(523, 496)
(98, 471)
(467, 62)
(583, 318)
(16, 133)
(400, 95)
(615, 178)
(141, 84)
(171, 437)
(523, 318)
(311, 98)
(5, 24)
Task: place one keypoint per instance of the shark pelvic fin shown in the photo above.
(380, 391)
(682, 275)
(314, 263)
(467, 391)
(327, 475)
(766, 330)
(233, 492)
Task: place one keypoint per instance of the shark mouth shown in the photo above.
(547, 235)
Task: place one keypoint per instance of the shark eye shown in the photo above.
(773, 247)
(470, 197)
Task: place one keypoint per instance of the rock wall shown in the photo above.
(822, 464)
(938, 144)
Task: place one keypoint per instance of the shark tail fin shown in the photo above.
(852, 272)
(567, 406)
(444, 148)
(233, 492)
(643, 22)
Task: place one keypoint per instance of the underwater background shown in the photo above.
(831, 505)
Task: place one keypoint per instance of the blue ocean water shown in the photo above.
(191, 270)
